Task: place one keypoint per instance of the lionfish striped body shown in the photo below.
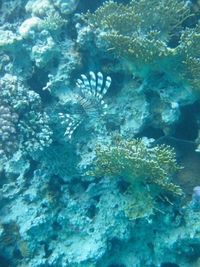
(90, 97)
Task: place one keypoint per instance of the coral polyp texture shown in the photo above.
(144, 34)
(99, 133)
(137, 163)
(189, 53)
(8, 130)
(24, 124)
(148, 170)
(139, 31)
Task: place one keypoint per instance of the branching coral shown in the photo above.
(140, 16)
(140, 30)
(149, 170)
(137, 163)
(188, 51)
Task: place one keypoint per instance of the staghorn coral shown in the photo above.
(148, 170)
(139, 31)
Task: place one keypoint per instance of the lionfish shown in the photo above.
(90, 94)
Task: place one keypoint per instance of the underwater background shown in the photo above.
(99, 133)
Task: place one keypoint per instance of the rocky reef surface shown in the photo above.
(99, 133)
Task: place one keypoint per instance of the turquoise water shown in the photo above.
(99, 133)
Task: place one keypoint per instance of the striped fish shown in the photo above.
(89, 96)
(91, 93)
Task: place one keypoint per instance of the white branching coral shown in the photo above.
(89, 95)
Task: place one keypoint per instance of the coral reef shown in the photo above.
(90, 170)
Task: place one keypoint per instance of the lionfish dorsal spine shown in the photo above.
(90, 98)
